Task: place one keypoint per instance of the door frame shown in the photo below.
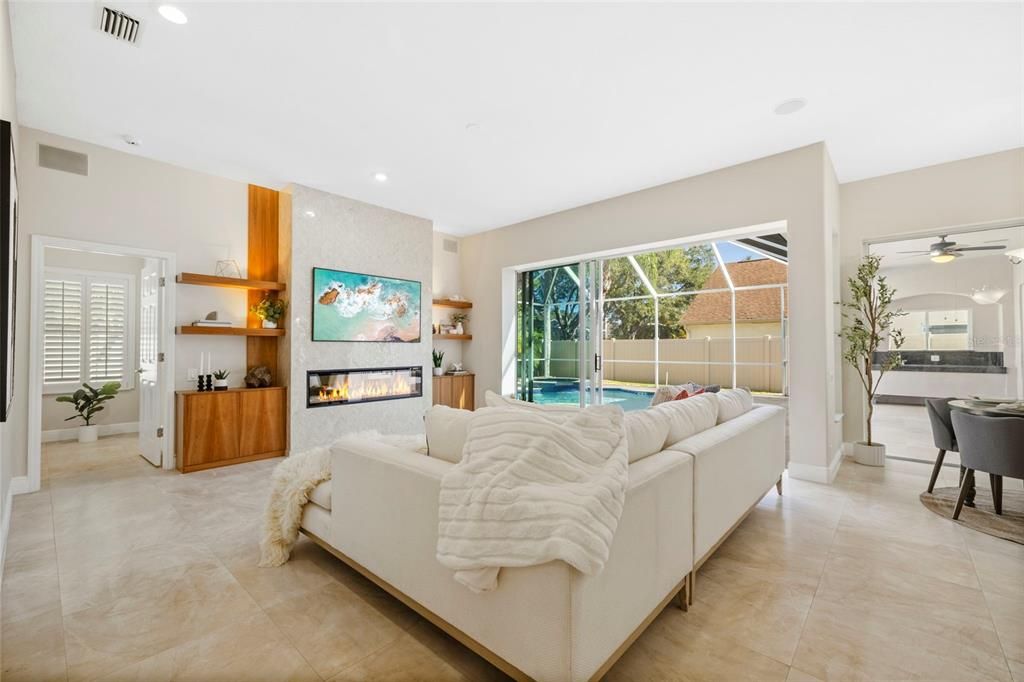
(38, 248)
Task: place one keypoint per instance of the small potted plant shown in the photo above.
(220, 380)
(270, 310)
(868, 322)
(438, 362)
(457, 320)
(88, 401)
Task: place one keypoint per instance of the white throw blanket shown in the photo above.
(533, 487)
(291, 484)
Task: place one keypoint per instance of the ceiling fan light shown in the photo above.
(943, 258)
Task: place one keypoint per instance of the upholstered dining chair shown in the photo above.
(942, 433)
(993, 445)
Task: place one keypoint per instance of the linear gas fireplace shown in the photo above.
(348, 386)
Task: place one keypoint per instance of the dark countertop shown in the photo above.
(962, 369)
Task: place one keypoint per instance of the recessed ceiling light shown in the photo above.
(380, 176)
(310, 214)
(172, 14)
(790, 106)
(472, 127)
(131, 140)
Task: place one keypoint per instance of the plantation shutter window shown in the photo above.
(62, 330)
(88, 336)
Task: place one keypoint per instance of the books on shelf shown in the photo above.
(458, 373)
(211, 323)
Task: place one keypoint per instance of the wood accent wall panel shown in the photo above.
(455, 391)
(263, 265)
(261, 420)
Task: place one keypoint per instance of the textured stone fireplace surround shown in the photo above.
(344, 234)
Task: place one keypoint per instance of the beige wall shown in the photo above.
(724, 331)
(789, 186)
(130, 201)
(447, 281)
(972, 192)
(124, 409)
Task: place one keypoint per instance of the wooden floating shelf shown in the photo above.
(453, 337)
(228, 331)
(231, 282)
(449, 303)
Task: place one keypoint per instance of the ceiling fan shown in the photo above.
(944, 251)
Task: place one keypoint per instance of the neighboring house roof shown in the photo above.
(758, 305)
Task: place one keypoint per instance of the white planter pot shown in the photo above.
(438, 371)
(88, 434)
(268, 324)
(220, 384)
(871, 455)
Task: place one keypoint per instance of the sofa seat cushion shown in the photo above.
(317, 520)
(690, 416)
(732, 402)
(321, 495)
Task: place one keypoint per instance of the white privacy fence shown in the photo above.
(759, 361)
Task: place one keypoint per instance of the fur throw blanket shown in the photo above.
(533, 487)
(291, 483)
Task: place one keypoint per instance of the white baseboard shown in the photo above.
(104, 430)
(817, 473)
(18, 485)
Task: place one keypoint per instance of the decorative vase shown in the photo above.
(870, 455)
(270, 324)
(459, 329)
(220, 384)
(438, 371)
(88, 434)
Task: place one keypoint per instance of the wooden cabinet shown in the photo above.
(455, 391)
(218, 428)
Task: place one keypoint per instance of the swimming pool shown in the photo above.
(567, 393)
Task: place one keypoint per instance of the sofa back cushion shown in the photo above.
(690, 416)
(732, 402)
(446, 429)
(646, 432)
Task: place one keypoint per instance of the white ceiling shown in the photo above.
(573, 102)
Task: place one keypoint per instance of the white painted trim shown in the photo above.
(816, 473)
(104, 430)
(35, 368)
(17, 486)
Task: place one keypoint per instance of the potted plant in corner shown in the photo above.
(868, 322)
(438, 356)
(220, 380)
(88, 401)
(270, 310)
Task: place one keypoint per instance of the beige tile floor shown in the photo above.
(119, 571)
(906, 432)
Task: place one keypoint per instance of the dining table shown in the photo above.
(986, 407)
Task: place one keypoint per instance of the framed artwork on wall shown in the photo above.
(9, 258)
(351, 306)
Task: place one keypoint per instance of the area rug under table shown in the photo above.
(982, 517)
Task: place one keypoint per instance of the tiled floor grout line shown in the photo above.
(988, 608)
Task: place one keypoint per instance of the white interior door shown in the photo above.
(151, 366)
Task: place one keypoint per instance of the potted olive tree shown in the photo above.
(868, 322)
(88, 401)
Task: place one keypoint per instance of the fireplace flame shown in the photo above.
(370, 388)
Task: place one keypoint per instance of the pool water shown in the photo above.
(550, 393)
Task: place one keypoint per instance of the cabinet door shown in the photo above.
(210, 431)
(261, 418)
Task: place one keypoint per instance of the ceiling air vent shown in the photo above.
(120, 25)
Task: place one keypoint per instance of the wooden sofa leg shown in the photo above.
(778, 485)
(691, 580)
(683, 596)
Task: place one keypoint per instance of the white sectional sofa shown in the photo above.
(550, 622)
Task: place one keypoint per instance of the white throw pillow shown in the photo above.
(663, 394)
(446, 429)
(646, 432)
(494, 400)
(689, 416)
(732, 402)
